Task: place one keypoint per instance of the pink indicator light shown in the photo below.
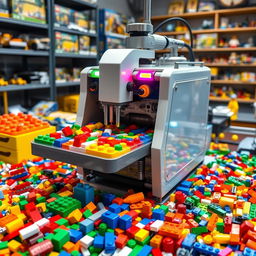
(145, 75)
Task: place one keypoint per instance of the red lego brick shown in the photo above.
(132, 231)
(67, 131)
(156, 252)
(168, 245)
(121, 241)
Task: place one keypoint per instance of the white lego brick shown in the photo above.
(95, 134)
(109, 131)
(85, 252)
(103, 253)
(117, 251)
(86, 241)
(29, 231)
(140, 225)
(167, 254)
(96, 216)
(42, 222)
(125, 251)
(206, 201)
(171, 205)
(156, 225)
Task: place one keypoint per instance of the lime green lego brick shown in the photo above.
(3, 245)
(64, 205)
(61, 222)
(131, 243)
(92, 233)
(202, 206)
(59, 239)
(136, 250)
(22, 204)
(87, 214)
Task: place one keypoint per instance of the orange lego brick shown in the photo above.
(235, 234)
(123, 213)
(212, 222)
(156, 241)
(251, 244)
(118, 200)
(8, 218)
(91, 206)
(135, 198)
(136, 206)
(69, 246)
(118, 231)
(171, 229)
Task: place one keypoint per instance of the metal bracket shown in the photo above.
(176, 64)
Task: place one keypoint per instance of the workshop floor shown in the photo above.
(45, 210)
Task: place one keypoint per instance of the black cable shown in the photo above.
(189, 47)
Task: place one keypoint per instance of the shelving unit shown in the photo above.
(52, 57)
(206, 53)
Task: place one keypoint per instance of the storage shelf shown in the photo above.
(116, 35)
(10, 88)
(76, 4)
(10, 51)
(209, 31)
(232, 82)
(230, 65)
(238, 49)
(67, 84)
(219, 99)
(75, 55)
(15, 23)
(73, 31)
(195, 15)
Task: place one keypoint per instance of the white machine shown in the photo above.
(131, 86)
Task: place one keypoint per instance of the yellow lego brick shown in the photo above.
(15, 210)
(172, 197)
(41, 207)
(14, 225)
(226, 201)
(78, 132)
(66, 193)
(141, 235)
(74, 216)
(68, 246)
(53, 254)
(105, 151)
(14, 245)
(239, 212)
(246, 208)
(138, 219)
(16, 200)
(208, 239)
(5, 251)
(221, 238)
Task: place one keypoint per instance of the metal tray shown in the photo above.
(91, 162)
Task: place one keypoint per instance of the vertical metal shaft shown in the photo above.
(147, 11)
(105, 110)
(111, 114)
(118, 115)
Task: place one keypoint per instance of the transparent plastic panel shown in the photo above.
(186, 138)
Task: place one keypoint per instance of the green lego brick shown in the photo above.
(110, 230)
(92, 233)
(145, 241)
(74, 226)
(234, 181)
(64, 205)
(3, 245)
(216, 209)
(131, 243)
(164, 208)
(136, 250)
(252, 211)
(40, 240)
(62, 222)
(75, 253)
(220, 227)
(102, 228)
(40, 199)
(22, 204)
(199, 230)
(55, 195)
(196, 199)
(49, 236)
(45, 139)
(87, 214)
(93, 250)
(207, 193)
(76, 127)
(202, 206)
(59, 239)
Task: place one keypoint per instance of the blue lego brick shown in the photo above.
(186, 184)
(196, 211)
(203, 223)
(125, 207)
(109, 242)
(84, 193)
(75, 235)
(125, 222)
(234, 247)
(183, 190)
(141, 130)
(1, 194)
(145, 221)
(86, 226)
(158, 214)
(111, 219)
(64, 253)
(227, 209)
(249, 252)
(206, 249)
(145, 251)
(105, 134)
(98, 241)
(189, 241)
(107, 199)
(115, 208)
(58, 142)
(145, 139)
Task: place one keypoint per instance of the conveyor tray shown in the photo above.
(91, 162)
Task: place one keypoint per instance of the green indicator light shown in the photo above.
(95, 73)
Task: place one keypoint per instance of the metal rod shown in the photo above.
(111, 114)
(105, 110)
(147, 11)
(118, 115)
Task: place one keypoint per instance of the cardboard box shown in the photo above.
(66, 43)
(84, 44)
(63, 16)
(29, 10)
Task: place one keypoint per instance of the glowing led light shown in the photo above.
(145, 75)
(95, 73)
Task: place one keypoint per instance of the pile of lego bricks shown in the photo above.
(46, 210)
(97, 140)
